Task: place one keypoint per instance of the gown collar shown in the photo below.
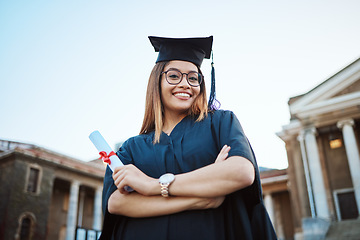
(177, 132)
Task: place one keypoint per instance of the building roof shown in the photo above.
(295, 98)
(8, 148)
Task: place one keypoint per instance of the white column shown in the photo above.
(268, 201)
(72, 211)
(279, 227)
(317, 179)
(301, 140)
(353, 156)
(81, 208)
(97, 209)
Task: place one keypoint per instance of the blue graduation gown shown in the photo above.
(191, 145)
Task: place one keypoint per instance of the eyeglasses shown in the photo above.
(174, 77)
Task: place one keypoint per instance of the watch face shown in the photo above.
(167, 178)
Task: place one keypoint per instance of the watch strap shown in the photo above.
(164, 189)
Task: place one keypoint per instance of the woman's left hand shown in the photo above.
(131, 176)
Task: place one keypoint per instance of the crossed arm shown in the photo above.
(200, 189)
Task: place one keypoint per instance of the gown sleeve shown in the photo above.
(231, 133)
(246, 216)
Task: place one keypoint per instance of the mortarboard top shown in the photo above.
(187, 49)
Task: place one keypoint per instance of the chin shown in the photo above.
(181, 110)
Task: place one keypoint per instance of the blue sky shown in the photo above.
(70, 67)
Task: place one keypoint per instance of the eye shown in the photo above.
(173, 75)
(193, 77)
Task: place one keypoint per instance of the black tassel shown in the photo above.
(213, 103)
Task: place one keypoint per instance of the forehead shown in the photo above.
(181, 65)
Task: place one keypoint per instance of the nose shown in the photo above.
(184, 81)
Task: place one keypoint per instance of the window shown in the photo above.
(33, 180)
(335, 143)
(25, 228)
(345, 204)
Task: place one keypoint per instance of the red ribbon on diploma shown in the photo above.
(105, 157)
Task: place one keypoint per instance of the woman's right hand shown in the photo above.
(130, 175)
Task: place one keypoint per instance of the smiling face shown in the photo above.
(177, 99)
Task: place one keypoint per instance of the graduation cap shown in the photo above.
(186, 49)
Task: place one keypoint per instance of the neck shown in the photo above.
(171, 120)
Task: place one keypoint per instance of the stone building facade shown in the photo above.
(276, 194)
(46, 195)
(322, 142)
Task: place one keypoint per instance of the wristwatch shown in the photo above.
(164, 181)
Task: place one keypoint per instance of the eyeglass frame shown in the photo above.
(182, 74)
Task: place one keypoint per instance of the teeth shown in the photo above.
(182, 94)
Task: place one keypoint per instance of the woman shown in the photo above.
(192, 169)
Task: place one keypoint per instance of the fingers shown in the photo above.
(130, 176)
(223, 154)
(219, 201)
(119, 176)
(225, 149)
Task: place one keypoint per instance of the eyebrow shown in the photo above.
(179, 70)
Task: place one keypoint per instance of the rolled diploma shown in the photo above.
(101, 145)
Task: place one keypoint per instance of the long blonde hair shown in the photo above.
(154, 117)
